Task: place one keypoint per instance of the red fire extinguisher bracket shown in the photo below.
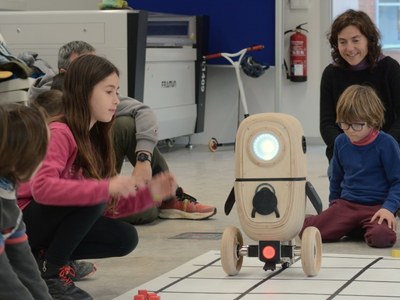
(298, 54)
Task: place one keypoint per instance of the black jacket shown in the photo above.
(384, 78)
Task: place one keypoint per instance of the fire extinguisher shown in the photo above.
(298, 55)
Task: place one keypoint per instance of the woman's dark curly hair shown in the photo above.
(364, 23)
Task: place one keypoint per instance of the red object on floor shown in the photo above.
(145, 295)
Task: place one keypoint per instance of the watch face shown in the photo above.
(143, 157)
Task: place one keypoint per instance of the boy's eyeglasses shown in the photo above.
(354, 126)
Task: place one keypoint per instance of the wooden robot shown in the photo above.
(271, 190)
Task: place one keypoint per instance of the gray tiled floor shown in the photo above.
(209, 177)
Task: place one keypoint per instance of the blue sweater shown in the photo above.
(367, 174)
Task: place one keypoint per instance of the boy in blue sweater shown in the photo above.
(365, 182)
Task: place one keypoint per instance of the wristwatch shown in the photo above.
(142, 157)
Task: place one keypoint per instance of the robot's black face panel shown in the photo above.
(265, 202)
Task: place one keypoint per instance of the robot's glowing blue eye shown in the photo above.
(265, 146)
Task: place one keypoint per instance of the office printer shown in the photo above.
(174, 82)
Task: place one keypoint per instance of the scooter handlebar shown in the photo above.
(213, 56)
(255, 48)
(218, 55)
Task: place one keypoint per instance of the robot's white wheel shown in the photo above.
(231, 243)
(213, 144)
(311, 251)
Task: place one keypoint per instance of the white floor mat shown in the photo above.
(341, 277)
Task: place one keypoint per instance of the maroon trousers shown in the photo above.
(344, 217)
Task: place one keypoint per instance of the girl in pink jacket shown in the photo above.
(71, 204)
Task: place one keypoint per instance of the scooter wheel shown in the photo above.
(311, 251)
(170, 143)
(213, 144)
(231, 243)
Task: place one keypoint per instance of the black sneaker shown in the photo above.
(61, 286)
(82, 269)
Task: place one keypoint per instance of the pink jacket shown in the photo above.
(58, 183)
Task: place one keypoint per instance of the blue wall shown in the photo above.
(233, 24)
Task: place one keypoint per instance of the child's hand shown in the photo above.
(384, 214)
(142, 173)
(122, 186)
(163, 186)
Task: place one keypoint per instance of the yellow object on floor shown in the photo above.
(5, 74)
(396, 253)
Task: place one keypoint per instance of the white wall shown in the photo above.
(302, 99)
(62, 4)
(48, 4)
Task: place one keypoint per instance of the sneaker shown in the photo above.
(61, 286)
(82, 269)
(184, 206)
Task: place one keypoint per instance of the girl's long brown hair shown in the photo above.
(95, 147)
